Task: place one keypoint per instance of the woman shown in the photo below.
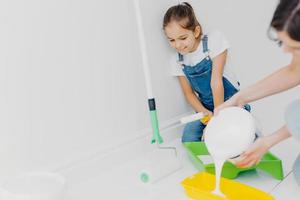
(286, 24)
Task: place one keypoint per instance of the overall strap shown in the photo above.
(205, 45)
(180, 58)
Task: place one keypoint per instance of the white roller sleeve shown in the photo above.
(192, 118)
(143, 49)
(160, 164)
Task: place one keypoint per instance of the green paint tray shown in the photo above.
(269, 162)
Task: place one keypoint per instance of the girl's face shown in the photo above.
(289, 45)
(183, 40)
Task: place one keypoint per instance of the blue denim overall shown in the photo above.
(199, 77)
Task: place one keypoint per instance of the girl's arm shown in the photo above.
(217, 78)
(190, 95)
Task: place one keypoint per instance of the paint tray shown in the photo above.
(269, 163)
(200, 185)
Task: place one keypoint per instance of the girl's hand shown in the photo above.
(208, 115)
(253, 154)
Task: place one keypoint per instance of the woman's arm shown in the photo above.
(255, 152)
(217, 78)
(283, 79)
(190, 96)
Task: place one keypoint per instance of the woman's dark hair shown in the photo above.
(287, 18)
(184, 14)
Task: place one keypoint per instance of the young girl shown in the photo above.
(199, 65)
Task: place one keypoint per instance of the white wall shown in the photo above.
(71, 83)
(252, 55)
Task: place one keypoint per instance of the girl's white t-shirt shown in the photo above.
(217, 44)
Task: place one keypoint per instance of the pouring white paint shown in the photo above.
(227, 135)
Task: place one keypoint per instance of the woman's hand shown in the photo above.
(253, 154)
(233, 101)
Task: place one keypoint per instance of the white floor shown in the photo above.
(121, 182)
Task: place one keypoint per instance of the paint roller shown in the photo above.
(153, 173)
(198, 116)
(163, 161)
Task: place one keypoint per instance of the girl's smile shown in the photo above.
(183, 40)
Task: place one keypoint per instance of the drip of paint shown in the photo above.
(227, 135)
(219, 165)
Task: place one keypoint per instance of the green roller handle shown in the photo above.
(156, 138)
